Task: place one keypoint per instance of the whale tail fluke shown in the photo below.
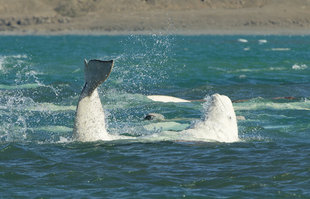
(96, 72)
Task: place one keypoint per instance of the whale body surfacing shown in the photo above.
(89, 122)
(219, 122)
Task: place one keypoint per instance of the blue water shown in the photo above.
(42, 77)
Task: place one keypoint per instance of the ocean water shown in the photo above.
(42, 77)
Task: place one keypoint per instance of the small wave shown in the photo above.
(22, 56)
(276, 126)
(242, 40)
(56, 129)
(299, 67)
(166, 126)
(27, 104)
(76, 70)
(45, 107)
(272, 105)
(262, 41)
(247, 70)
(42, 134)
(22, 86)
(280, 49)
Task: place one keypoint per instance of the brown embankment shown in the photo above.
(153, 16)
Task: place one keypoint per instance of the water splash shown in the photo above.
(21, 115)
(299, 67)
(143, 63)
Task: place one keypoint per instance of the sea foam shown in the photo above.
(299, 67)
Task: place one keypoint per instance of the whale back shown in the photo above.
(89, 122)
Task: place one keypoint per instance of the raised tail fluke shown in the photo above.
(96, 72)
(89, 122)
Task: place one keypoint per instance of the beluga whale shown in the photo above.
(218, 123)
(89, 124)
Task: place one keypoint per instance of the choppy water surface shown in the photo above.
(42, 77)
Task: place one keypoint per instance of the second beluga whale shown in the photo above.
(218, 123)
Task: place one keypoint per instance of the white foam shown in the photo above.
(64, 140)
(49, 107)
(76, 70)
(262, 41)
(305, 105)
(21, 86)
(276, 126)
(246, 70)
(280, 49)
(299, 67)
(277, 68)
(57, 129)
(22, 56)
(166, 126)
(242, 40)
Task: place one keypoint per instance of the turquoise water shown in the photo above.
(42, 77)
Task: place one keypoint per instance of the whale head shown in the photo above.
(218, 123)
(221, 110)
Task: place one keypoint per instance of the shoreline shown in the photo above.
(219, 32)
(145, 17)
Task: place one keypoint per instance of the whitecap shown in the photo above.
(64, 140)
(242, 40)
(276, 126)
(280, 49)
(299, 67)
(76, 70)
(45, 107)
(166, 126)
(272, 106)
(56, 129)
(21, 86)
(22, 56)
(262, 41)
(242, 76)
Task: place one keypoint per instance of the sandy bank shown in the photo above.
(155, 16)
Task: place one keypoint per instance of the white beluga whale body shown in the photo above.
(89, 122)
(219, 122)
